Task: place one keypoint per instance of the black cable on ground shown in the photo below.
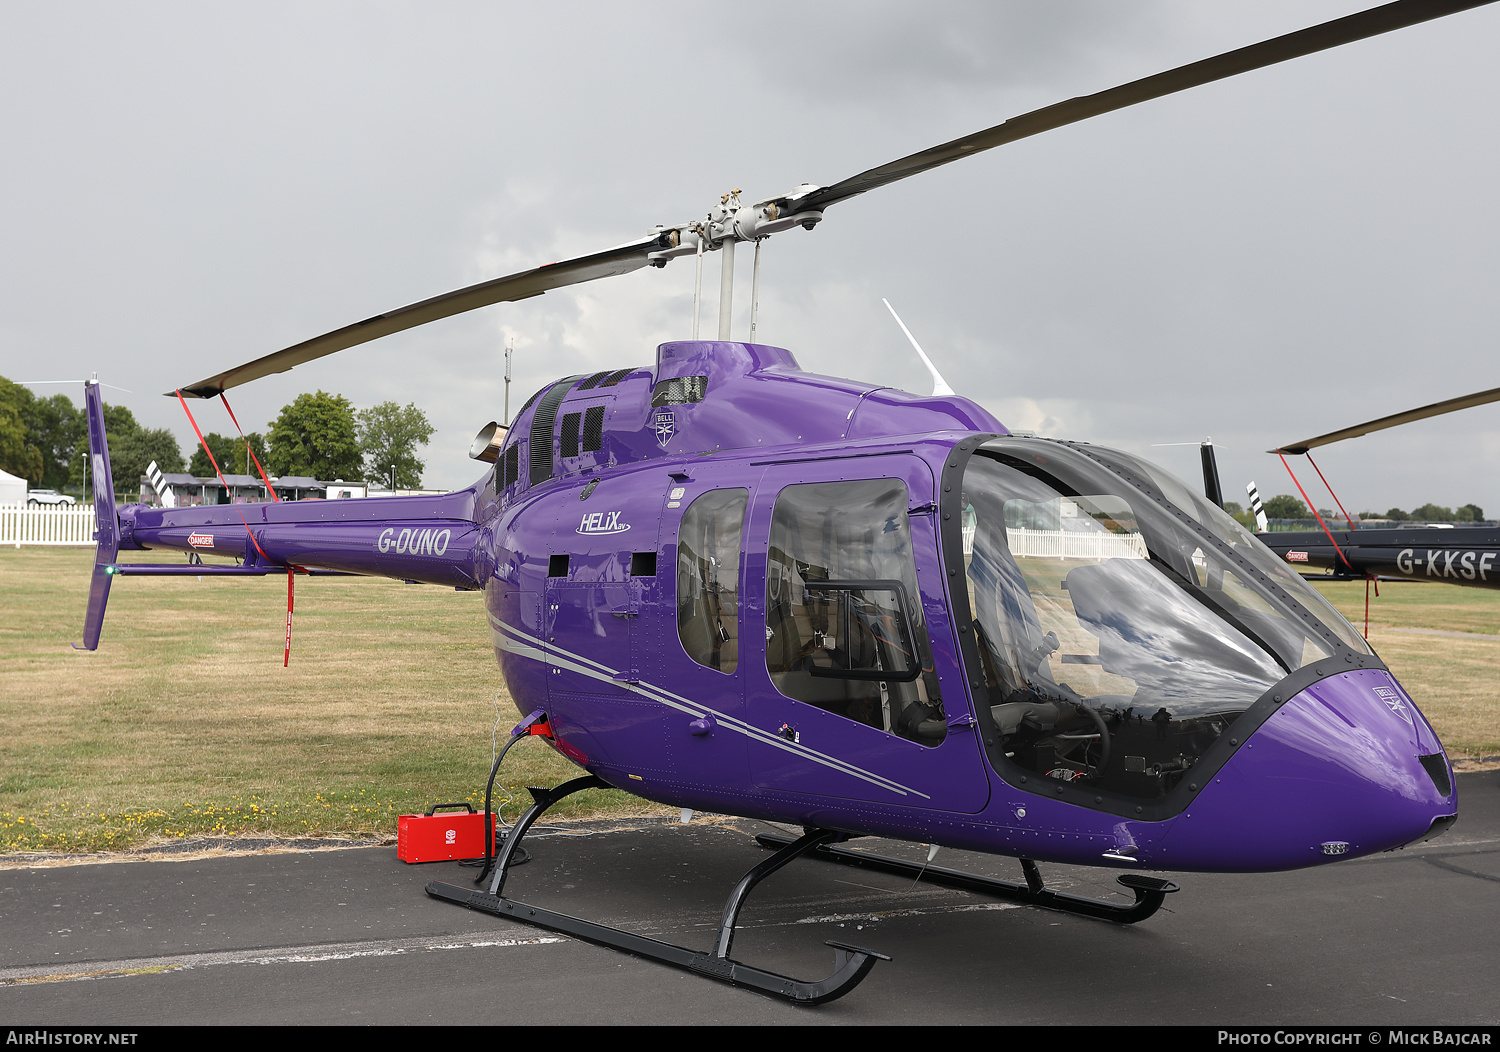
(521, 854)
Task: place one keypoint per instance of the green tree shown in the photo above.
(257, 443)
(60, 432)
(1285, 506)
(1469, 513)
(1397, 515)
(1432, 513)
(389, 436)
(131, 448)
(1235, 511)
(314, 436)
(19, 454)
(229, 451)
(130, 454)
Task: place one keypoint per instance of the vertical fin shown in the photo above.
(107, 522)
(1211, 488)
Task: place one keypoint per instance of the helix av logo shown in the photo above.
(603, 522)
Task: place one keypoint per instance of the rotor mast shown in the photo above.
(726, 224)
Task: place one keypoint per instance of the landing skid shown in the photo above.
(1149, 891)
(850, 963)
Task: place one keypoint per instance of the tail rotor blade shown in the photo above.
(1257, 508)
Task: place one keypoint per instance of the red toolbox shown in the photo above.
(438, 838)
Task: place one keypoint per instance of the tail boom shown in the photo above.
(431, 540)
(426, 539)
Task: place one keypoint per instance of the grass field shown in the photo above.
(184, 722)
(1455, 680)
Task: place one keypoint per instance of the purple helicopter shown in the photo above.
(724, 584)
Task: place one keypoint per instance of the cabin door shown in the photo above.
(601, 591)
(853, 685)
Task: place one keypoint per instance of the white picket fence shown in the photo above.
(1068, 544)
(58, 526)
(20, 525)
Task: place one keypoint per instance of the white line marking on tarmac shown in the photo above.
(340, 951)
(879, 915)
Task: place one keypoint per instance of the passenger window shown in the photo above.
(844, 624)
(708, 578)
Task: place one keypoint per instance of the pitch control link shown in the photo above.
(850, 963)
(1149, 892)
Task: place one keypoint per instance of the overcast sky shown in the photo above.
(187, 186)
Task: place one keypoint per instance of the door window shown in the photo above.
(844, 624)
(708, 578)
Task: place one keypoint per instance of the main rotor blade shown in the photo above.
(527, 283)
(634, 255)
(1435, 409)
(1267, 53)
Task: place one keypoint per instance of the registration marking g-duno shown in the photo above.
(414, 542)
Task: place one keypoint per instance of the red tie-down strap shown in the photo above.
(291, 570)
(1347, 517)
(286, 658)
(1369, 580)
(253, 457)
(219, 473)
(1314, 509)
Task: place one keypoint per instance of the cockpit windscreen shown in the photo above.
(1117, 642)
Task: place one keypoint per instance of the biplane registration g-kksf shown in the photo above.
(725, 584)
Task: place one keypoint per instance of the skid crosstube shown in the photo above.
(851, 963)
(1150, 892)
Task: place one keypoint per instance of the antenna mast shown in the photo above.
(510, 346)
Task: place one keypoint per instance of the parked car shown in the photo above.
(49, 496)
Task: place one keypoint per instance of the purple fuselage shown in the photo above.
(679, 675)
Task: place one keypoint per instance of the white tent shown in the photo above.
(12, 489)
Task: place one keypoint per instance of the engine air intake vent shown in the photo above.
(1436, 765)
(680, 390)
(512, 464)
(541, 429)
(568, 441)
(593, 428)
